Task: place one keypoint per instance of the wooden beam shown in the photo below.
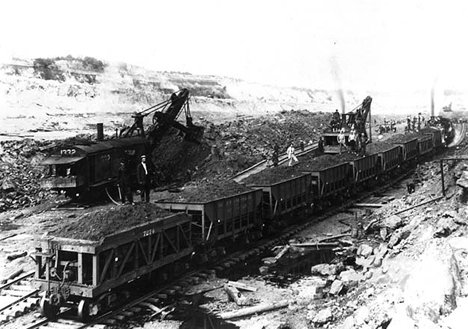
(369, 205)
(254, 309)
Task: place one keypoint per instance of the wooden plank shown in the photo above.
(369, 205)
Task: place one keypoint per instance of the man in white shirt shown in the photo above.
(292, 158)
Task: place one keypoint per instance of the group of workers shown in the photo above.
(415, 123)
(356, 141)
(143, 174)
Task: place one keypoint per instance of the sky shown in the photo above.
(350, 44)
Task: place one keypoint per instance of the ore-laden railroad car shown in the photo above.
(329, 183)
(90, 274)
(87, 167)
(409, 149)
(436, 136)
(220, 218)
(425, 145)
(363, 169)
(389, 159)
(285, 197)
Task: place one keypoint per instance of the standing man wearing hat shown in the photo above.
(144, 179)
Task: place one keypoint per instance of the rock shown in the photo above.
(310, 293)
(351, 277)
(445, 227)
(263, 270)
(398, 236)
(362, 315)
(457, 319)
(336, 287)
(392, 222)
(323, 317)
(433, 287)
(324, 269)
(401, 321)
(349, 323)
(364, 250)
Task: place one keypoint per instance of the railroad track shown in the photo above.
(17, 297)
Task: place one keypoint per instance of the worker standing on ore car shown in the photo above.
(362, 144)
(291, 156)
(123, 176)
(144, 179)
(342, 139)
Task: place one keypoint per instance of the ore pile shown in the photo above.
(99, 224)
(403, 138)
(272, 176)
(20, 174)
(232, 147)
(324, 161)
(377, 147)
(208, 191)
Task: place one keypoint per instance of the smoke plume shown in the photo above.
(335, 71)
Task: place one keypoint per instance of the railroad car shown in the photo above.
(408, 149)
(425, 146)
(220, 218)
(363, 169)
(436, 136)
(83, 168)
(329, 183)
(284, 197)
(388, 157)
(90, 273)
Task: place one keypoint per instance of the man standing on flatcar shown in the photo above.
(144, 179)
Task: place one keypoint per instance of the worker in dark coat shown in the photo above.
(124, 181)
(144, 179)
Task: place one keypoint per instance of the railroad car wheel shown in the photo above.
(48, 310)
(84, 310)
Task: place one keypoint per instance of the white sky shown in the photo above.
(353, 44)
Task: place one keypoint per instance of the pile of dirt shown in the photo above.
(325, 161)
(378, 147)
(231, 147)
(98, 224)
(206, 191)
(272, 176)
(403, 138)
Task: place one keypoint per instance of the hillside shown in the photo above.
(69, 94)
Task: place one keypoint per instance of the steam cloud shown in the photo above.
(335, 71)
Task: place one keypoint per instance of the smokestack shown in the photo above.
(100, 131)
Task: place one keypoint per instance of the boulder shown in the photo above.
(392, 222)
(433, 287)
(337, 287)
(365, 250)
(324, 269)
(351, 277)
(322, 317)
